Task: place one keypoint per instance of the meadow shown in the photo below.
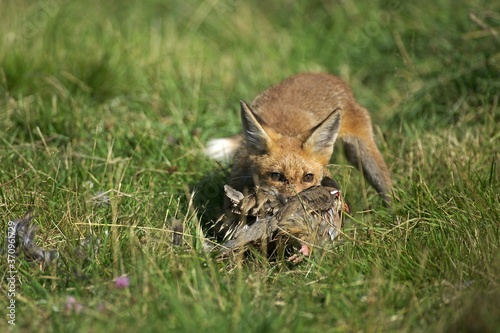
(105, 109)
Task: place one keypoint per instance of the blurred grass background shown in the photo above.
(104, 111)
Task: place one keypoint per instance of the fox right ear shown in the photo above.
(323, 137)
(255, 135)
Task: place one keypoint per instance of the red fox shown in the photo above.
(289, 131)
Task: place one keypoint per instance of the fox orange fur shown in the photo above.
(289, 131)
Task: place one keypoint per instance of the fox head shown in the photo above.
(290, 164)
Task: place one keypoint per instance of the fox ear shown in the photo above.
(324, 135)
(256, 137)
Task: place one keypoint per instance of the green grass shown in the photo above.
(119, 98)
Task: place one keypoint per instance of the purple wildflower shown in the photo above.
(72, 305)
(122, 282)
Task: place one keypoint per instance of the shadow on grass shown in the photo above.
(209, 198)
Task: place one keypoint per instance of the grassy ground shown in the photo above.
(104, 111)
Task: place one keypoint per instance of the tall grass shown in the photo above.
(104, 112)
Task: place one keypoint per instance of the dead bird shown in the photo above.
(313, 217)
(263, 202)
(246, 209)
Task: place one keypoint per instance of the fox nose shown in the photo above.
(292, 189)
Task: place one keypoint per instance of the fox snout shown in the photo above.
(289, 189)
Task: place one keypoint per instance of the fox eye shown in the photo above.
(277, 177)
(308, 178)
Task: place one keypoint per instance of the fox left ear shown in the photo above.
(256, 137)
(324, 135)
